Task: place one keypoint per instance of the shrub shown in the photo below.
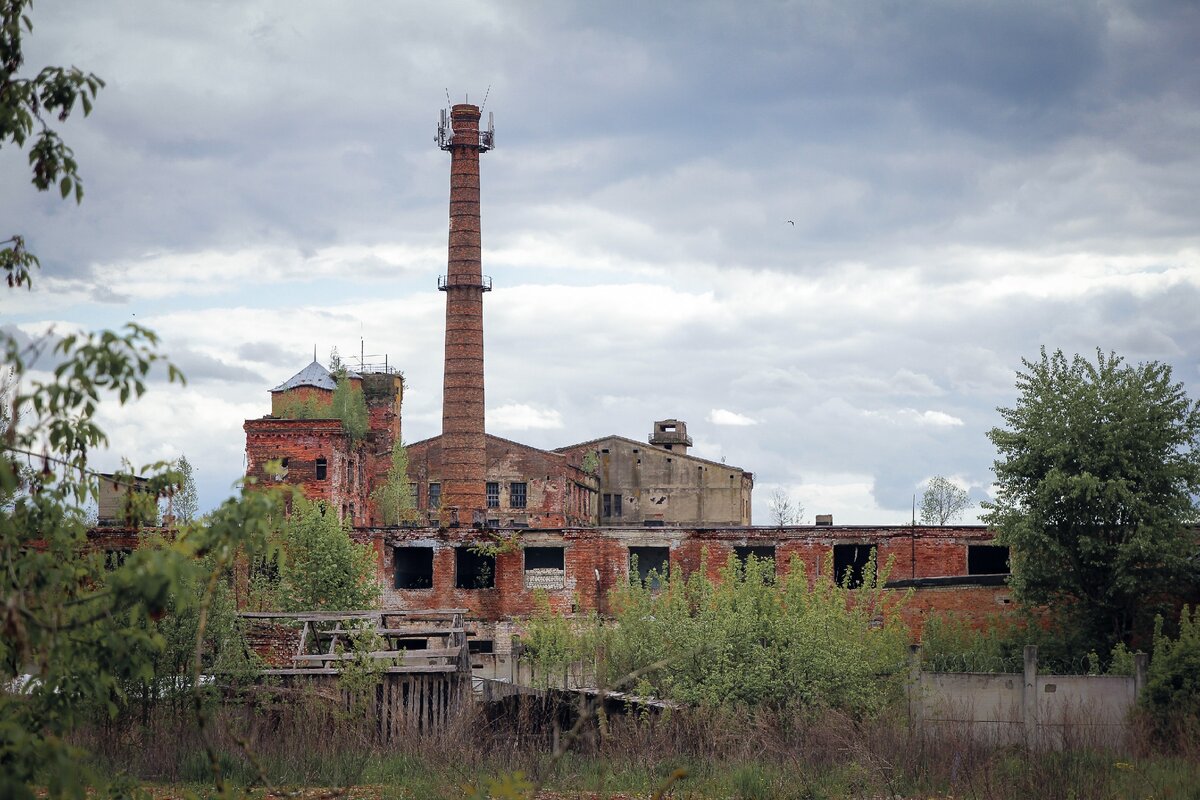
(1173, 684)
(748, 639)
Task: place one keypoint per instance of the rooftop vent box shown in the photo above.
(824, 520)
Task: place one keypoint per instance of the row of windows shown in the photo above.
(473, 570)
(517, 494)
(322, 470)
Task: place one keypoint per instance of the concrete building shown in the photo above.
(659, 484)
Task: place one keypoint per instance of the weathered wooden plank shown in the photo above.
(408, 655)
(391, 670)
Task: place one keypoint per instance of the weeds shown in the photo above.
(303, 741)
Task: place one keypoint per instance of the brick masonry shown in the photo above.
(597, 560)
(557, 492)
(463, 443)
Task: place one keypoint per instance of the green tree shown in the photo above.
(943, 501)
(25, 105)
(394, 499)
(75, 634)
(350, 407)
(1098, 469)
(185, 505)
(320, 567)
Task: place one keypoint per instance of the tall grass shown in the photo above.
(293, 740)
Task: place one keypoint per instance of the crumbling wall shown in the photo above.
(557, 493)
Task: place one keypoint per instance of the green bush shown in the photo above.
(350, 407)
(319, 566)
(1173, 683)
(747, 639)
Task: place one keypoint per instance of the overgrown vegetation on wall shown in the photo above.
(749, 639)
(394, 499)
(350, 407)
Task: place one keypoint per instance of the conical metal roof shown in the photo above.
(312, 375)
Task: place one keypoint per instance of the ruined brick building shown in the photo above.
(581, 514)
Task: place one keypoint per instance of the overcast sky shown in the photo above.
(965, 182)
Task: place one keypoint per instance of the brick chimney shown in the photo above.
(464, 447)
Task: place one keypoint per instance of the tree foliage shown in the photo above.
(78, 632)
(1173, 684)
(350, 407)
(26, 103)
(1098, 470)
(319, 567)
(185, 504)
(943, 501)
(394, 499)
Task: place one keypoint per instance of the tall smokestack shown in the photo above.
(464, 446)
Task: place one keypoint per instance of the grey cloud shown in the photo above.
(198, 367)
(268, 353)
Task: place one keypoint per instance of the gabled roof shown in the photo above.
(636, 443)
(312, 375)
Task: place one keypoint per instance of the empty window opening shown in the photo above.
(544, 568)
(114, 559)
(473, 570)
(414, 567)
(987, 559)
(604, 450)
(480, 646)
(435, 495)
(760, 552)
(544, 558)
(412, 644)
(850, 563)
(493, 494)
(322, 467)
(650, 564)
(265, 568)
(516, 494)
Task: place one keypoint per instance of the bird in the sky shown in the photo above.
(791, 223)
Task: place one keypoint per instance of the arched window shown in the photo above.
(321, 469)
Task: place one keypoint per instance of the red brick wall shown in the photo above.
(596, 560)
(558, 494)
(302, 442)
